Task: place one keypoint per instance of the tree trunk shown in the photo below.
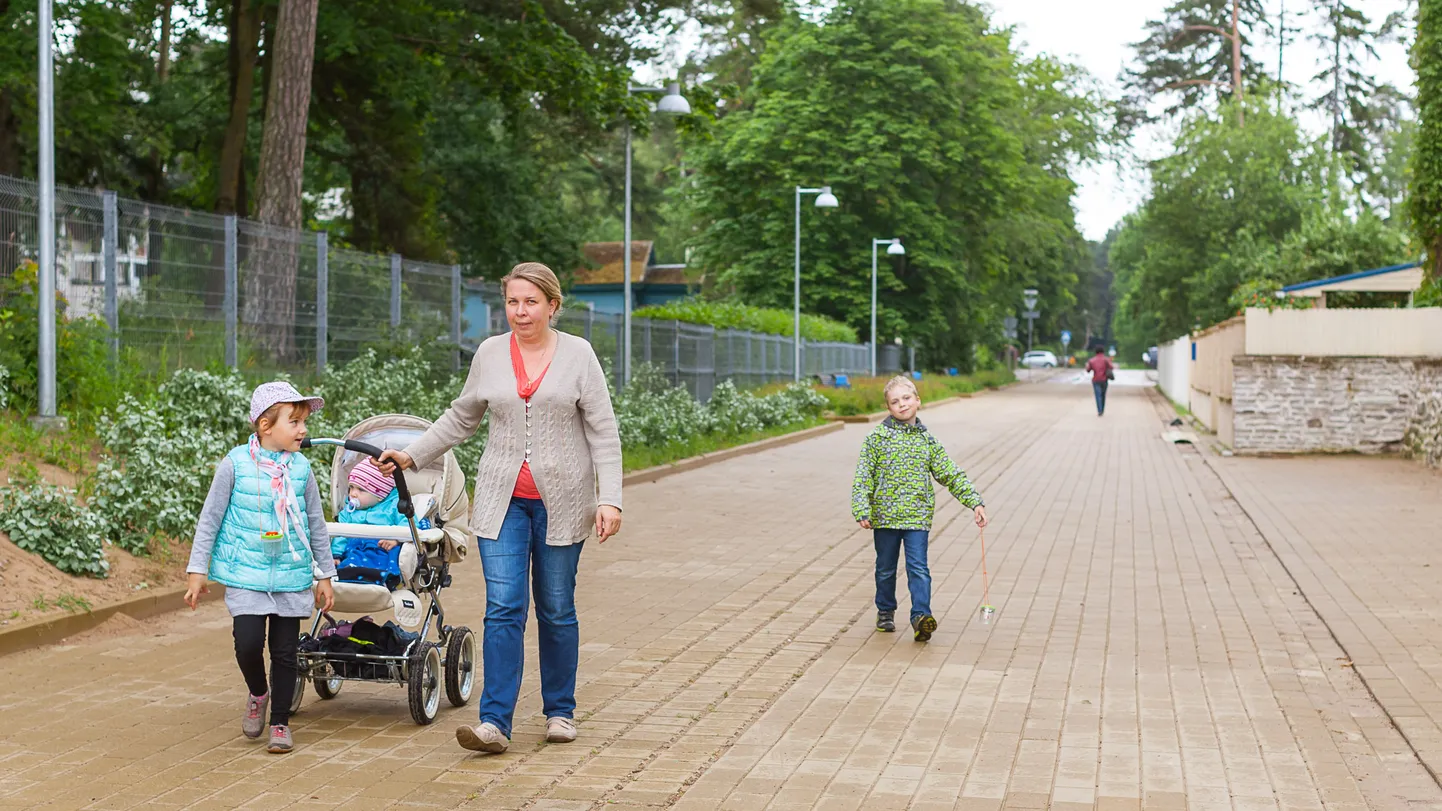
(1237, 64)
(244, 39)
(155, 182)
(274, 259)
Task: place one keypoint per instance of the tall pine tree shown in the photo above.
(1361, 108)
(1199, 50)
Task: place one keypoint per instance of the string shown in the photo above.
(985, 585)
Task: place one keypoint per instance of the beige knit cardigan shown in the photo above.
(575, 452)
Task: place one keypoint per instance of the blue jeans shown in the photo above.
(521, 549)
(1100, 388)
(889, 543)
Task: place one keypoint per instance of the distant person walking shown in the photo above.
(1102, 369)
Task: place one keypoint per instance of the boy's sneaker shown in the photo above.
(280, 740)
(253, 722)
(886, 621)
(923, 627)
(484, 738)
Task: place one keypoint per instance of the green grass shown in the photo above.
(72, 450)
(865, 395)
(640, 458)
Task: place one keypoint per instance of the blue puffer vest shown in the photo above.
(240, 559)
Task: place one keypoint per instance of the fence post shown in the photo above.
(648, 340)
(676, 349)
(590, 319)
(395, 290)
(232, 293)
(112, 292)
(456, 315)
(322, 301)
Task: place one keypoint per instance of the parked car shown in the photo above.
(1038, 359)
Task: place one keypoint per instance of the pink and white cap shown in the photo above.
(279, 391)
(369, 478)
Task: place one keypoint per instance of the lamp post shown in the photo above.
(894, 248)
(672, 103)
(824, 199)
(46, 281)
(1029, 297)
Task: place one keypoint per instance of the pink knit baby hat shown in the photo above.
(369, 478)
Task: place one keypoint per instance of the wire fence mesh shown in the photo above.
(180, 288)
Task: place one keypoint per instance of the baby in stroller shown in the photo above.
(372, 499)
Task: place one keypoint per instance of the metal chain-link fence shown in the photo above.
(184, 288)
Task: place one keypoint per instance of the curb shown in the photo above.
(652, 474)
(47, 630)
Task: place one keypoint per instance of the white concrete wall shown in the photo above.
(1399, 333)
(1174, 369)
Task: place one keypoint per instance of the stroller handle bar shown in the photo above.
(403, 498)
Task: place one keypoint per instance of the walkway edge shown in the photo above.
(653, 474)
(45, 630)
(48, 630)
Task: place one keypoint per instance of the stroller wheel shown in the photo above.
(327, 688)
(423, 683)
(299, 695)
(460, 666)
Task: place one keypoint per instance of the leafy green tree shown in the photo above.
(919, 117)
(1218, 203)
(1426, 186)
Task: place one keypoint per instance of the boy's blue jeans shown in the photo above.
(889, 545)
(520, 550)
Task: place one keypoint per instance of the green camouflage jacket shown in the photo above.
(893, 487)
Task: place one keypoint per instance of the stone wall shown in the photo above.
(1290, 404)
(1424, 436)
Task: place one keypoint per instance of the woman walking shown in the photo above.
(550, 475)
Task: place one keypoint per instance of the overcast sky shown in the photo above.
(1097, 35)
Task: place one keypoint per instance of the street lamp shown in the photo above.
(672, 103)
(824, 199)
(894, 249)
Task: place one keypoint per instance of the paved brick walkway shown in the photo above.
(1150, 651)
(1363, 538)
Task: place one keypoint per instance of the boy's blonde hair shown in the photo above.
(900, 381)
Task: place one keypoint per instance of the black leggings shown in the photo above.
(250, 655)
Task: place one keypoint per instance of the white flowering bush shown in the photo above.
(652, 412)
(161, 455)
(51, 523)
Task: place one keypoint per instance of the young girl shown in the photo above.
(259, 532)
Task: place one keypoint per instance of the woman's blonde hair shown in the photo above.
(542, 277)
(900, 381)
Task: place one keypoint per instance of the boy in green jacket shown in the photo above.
(892, 495)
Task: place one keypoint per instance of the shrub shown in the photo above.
(735, 315)
(51, 523)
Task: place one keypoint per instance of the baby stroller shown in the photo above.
(435, 504)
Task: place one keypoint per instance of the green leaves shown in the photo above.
(735, 315)
(49, 522)
(928, 128)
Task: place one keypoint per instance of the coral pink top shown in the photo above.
(525, 483)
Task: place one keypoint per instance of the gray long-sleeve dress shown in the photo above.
(245, 601)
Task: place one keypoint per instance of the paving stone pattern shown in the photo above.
(1150, 652)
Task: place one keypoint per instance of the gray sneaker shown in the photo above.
(484, 738)
(253, 722)
(886, 621)
(280, 740)
(560, 729)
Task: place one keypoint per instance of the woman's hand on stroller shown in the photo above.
(324, 596)
(392, 459)
(194, 587)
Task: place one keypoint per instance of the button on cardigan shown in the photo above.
(568, 434)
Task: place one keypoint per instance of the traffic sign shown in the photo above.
(1030, 314)
(1065, 338)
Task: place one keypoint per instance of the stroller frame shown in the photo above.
(424, 665)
